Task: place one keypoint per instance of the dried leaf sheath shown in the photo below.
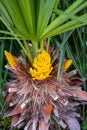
(33, 101)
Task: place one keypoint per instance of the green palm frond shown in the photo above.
(30, 19)
(37, 20)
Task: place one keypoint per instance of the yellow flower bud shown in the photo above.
(11, 59)
(66, 64)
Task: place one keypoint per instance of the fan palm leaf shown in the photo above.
(33, 22)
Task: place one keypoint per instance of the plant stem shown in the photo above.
(42, 44)
(28, 50)
(48, 44)
(35, 45)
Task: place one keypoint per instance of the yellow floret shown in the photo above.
(41, 66)
(11, 59)
(66, 64)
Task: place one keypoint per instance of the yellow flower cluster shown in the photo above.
(66, 64)
(41, 66)
(11, 59)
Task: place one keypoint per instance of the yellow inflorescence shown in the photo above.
(66, 64)
(11, 59)
(41, 66)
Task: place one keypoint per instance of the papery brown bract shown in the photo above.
(32, 102)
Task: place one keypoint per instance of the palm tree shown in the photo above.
(35, 91)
